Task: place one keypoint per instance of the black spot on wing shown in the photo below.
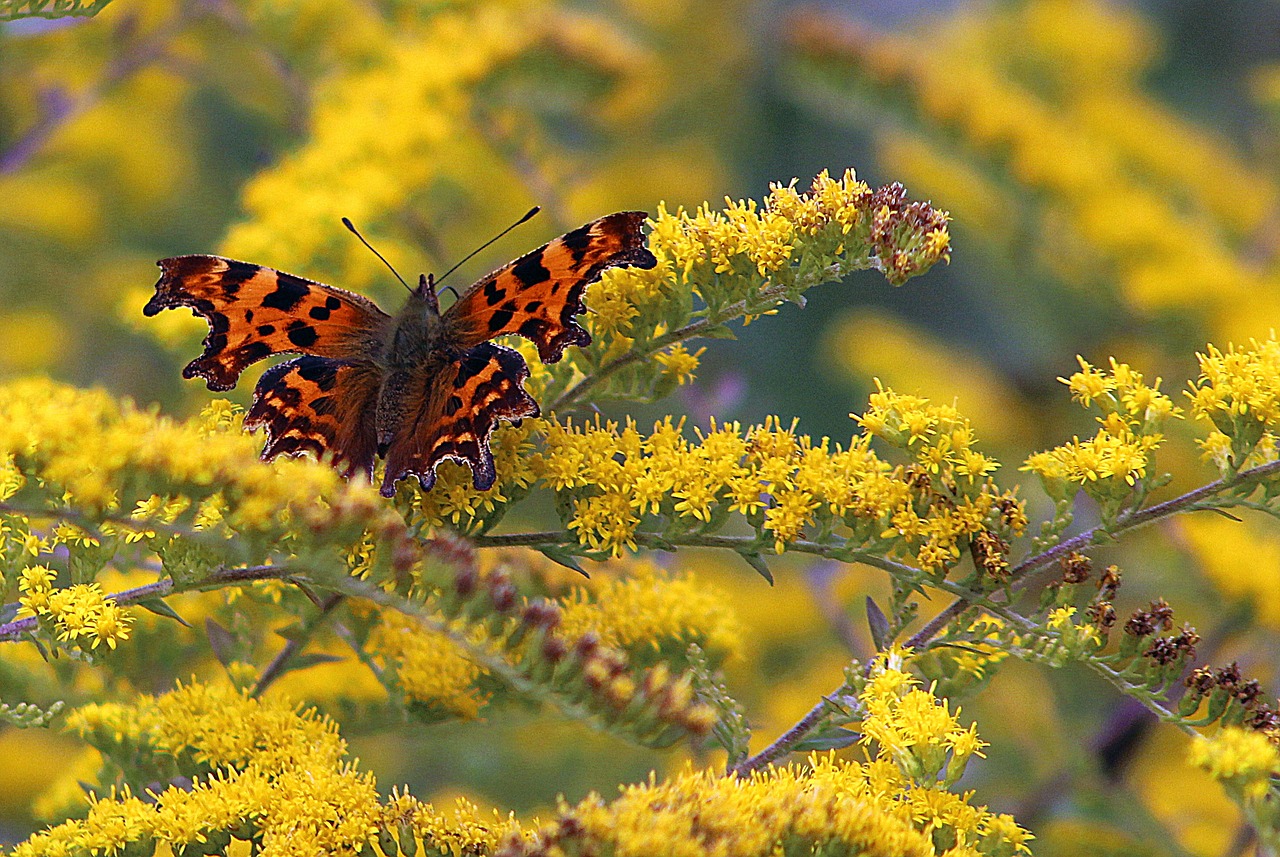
(236, 275)
(578, 242)
(492, 294)
(499, 320)
(302, 334)
(532, 328)
(316, 370)
(529, 269)
(266, 329)
(252, 351)
(289, 291)
(322, 311)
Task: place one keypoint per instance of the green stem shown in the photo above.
(1018, 575)
(295, 644)
(162, 588)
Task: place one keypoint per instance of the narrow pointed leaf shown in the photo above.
(560, 556)
(879, 625)
(757, 562)
(834, 738)
(221, 641)
(160, 607)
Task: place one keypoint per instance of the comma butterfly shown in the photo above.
(415, 389)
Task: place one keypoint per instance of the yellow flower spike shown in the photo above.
(1243, 759)
(647, 608)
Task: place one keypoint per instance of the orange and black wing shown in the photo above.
(538, 295)
(456, 411)
(254, 312)
(319, 405)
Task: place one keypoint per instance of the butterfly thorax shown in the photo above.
(415, 353)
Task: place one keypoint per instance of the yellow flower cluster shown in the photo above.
(1239, 393)
(940, 438)
(727, 256)
(430, 668)
(618, 633)
(77, 616)
(781, 481)
(138, 476)
(262, 770)
(829, 809)
(1245, 759)
(87, 445)
(891, 805)
(1115, 460)
(1074, 639)
(635, 607)
(914, 730)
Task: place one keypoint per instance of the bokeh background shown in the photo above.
(1112, 174)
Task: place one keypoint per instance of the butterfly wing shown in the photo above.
(254, 312)
(538, 295)
(319, 405)
(453, 414)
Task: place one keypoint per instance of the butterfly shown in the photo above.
(417, 388)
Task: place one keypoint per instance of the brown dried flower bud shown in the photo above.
(1076, 567)
(1163, 650)
(1102, 613)
(1109, 583)
(1201, 681)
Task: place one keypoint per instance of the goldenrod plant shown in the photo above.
(673, 624)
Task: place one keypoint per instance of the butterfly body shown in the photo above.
(415, 388)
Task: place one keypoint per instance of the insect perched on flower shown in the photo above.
(415, 388)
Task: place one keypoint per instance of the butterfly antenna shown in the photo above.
(530, 213)
(355, 232)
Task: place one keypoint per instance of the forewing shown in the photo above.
(254, 312)
(322, 406)
(458, 410)
(538, 295)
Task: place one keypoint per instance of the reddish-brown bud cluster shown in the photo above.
(1109, 583)
(1102, 614)
(1076, 567)
(452, 550)
(893, 217)
(1100, 609)
(652, 704)
(1166, 650)
(1231, 696)
(1144, 623)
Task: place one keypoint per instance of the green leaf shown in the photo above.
(221, 641)
(13, 10)
(879, 625)
(835, 738)
(160, 607)
(560, 556)
(757, 562)
(718, 331)
(311, 659)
